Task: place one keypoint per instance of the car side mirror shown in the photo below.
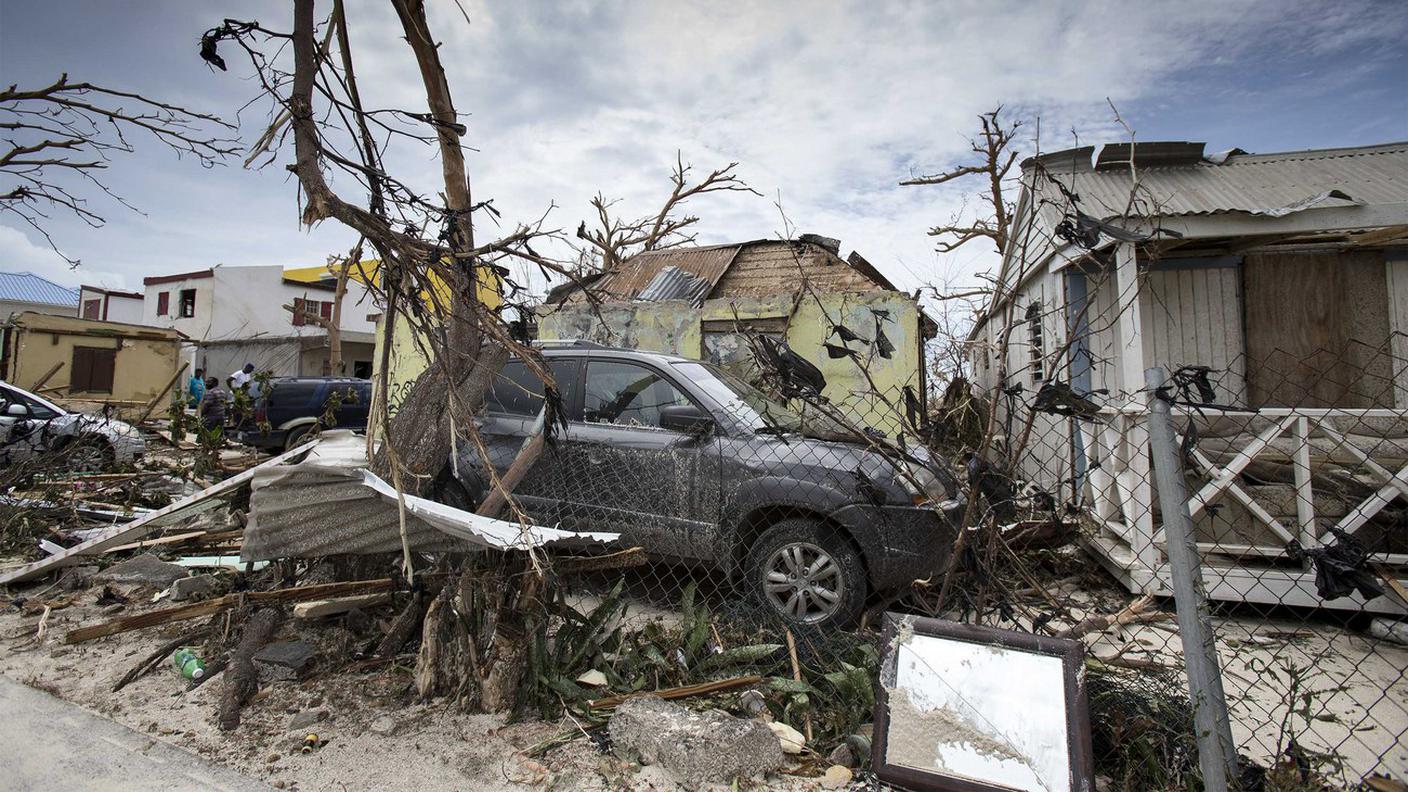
(685, 418)
(17, 410)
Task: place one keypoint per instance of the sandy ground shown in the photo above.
(375, 736)
(1358, 687)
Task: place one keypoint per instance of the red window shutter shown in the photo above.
(325, 310)
(163, 303)
(81, 375)
(298, 308)
(92, 309)
(104, 364)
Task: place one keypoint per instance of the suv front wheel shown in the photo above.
(808, 573)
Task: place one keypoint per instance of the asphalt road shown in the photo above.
(50, 744)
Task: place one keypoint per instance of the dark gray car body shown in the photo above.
(703, 499)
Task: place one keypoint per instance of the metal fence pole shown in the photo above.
(1216, 755)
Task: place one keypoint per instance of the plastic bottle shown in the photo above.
(186, 662)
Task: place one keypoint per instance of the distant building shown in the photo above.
(25, 291)
(71, 359)
(704, 302)
(237, 315)
(110, 305)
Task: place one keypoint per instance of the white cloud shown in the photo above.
(827, 104)
(19, 254)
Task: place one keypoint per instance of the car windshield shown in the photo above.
(756, 409)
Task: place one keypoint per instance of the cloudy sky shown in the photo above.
(825, 105)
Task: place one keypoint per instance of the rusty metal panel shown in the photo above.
(707, 263)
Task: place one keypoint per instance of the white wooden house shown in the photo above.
(1287, 276)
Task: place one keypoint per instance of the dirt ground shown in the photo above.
(375, 736)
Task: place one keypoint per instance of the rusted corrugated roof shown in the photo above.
(673, 283)
(1252, 183)
(706, 263)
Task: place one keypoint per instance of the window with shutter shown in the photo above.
(93, 369)
(163, 303)
(298, 308)
(92, 309)
(188, 303)
(325, 310)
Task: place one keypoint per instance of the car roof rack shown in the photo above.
(567, 343)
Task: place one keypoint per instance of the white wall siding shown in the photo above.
(1194, 318)
(1397, 274)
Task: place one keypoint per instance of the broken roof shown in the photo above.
(1180, 180)
(757, 267)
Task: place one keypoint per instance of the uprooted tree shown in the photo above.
(59, 138)
(432, 274)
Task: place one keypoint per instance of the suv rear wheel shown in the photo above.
(808, 573)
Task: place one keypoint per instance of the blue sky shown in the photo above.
(824, 105)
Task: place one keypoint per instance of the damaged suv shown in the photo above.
(694, 465)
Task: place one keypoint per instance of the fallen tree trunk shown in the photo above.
(241, 677)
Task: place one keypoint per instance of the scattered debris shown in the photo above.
(284, 660)
(697, 748)
(144, 570)
(194, 587)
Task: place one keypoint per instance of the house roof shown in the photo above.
(179, 276)
(30, 288)
(1261, 184)
(112, 292)
(1227, 194)
(753, 268)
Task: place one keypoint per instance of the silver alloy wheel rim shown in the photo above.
(803, 582)
(86, 457)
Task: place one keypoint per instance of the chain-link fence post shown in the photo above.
(1216, 756)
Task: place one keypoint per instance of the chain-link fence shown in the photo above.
(768, 520)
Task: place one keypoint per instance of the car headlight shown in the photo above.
(922, 485)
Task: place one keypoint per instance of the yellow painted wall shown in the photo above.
(143, 365)
(369, 273)
(676, 327)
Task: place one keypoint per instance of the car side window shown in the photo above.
(627, 395)
(36, 410)
(518, 391)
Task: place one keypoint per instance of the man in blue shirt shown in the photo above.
(195, 388)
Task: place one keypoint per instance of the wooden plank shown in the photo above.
(1242, 497)
(1305, 492)
(157, 398)
(1372, 505)
(701, 689)
(159, 541)
(332, 607)
(1222, 478)
(143, 525)
(1397, 281)
(1131, 354)
(213, 606)
(1315, 323)
(39, 383)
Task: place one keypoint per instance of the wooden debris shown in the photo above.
(213, 606)
(576, 565)
(151, 405)
(332, 607)
(685, 691)
(39, 383)
(140, 527)
(162, 540)
(407, 623)
(1132, 612)
(241, 678)
(797, 676)
(151, 661)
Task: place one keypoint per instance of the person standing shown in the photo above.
(212, 405)
(195, 388)
(240, 379)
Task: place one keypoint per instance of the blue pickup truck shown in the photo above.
(292, 406)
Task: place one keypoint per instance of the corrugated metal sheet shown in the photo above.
(28, 287)
(708, 263)
(1249, 182)
(673, 283)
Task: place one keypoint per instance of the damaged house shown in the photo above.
(842, 315)
(1278, 284)
(237, 315)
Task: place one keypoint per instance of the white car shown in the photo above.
(31, 425)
